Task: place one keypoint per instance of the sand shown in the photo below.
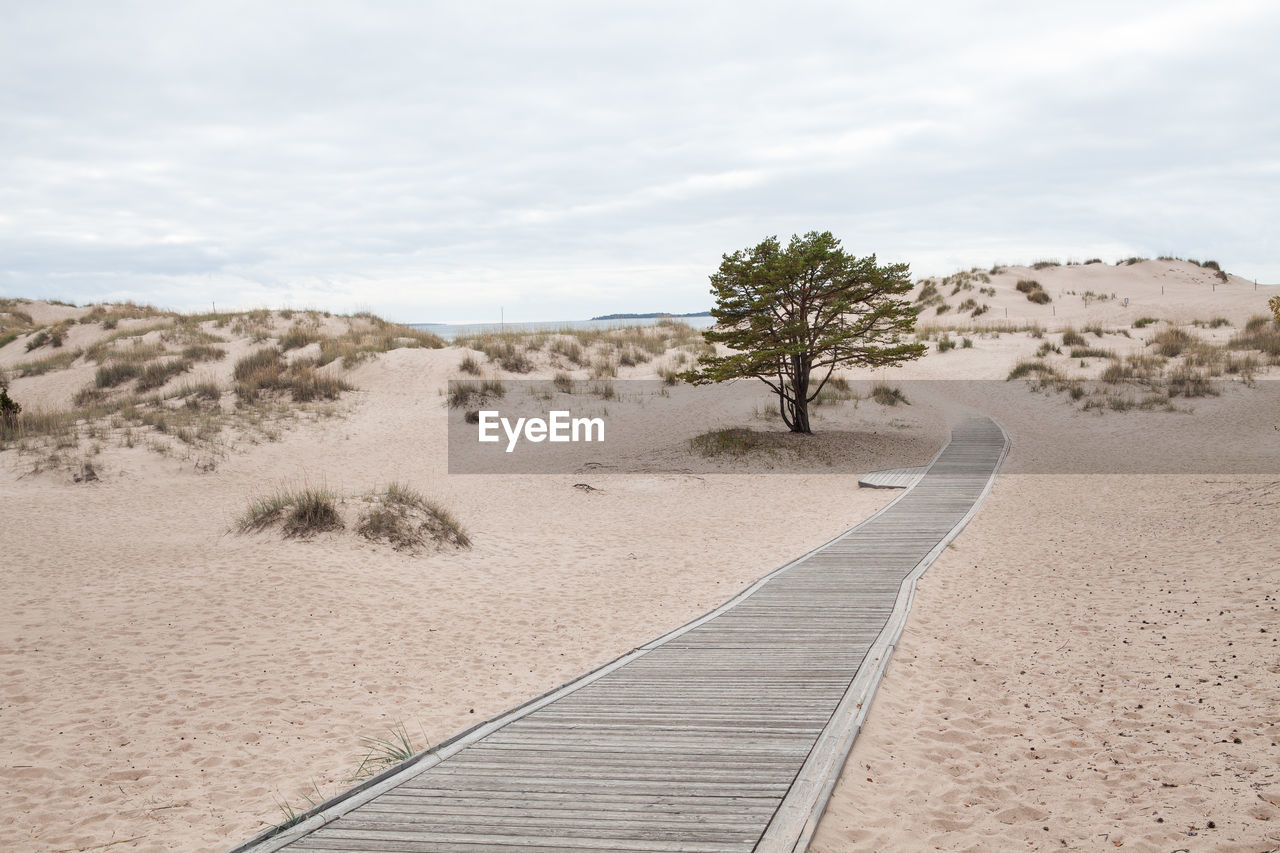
(1093, 664)
(167, 683)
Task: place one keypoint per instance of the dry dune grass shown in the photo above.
(136, 356)
(397, 515)
(598, 352)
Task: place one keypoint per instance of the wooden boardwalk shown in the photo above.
(724, 735)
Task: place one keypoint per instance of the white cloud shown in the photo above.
(577, 158)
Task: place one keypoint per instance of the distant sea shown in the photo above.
(449, 331)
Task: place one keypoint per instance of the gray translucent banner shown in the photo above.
(584, 426)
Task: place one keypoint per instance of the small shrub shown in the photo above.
(301, 513)
(297, 337)
(1260, 333)
(515, 362)
(1143, 322)
(312, 511)
(1027, 368)
(463, 394)
(1171, 342)
(88, 397)
(735, 441)
(41, 366)
(1219, 322)
(570, 349)
(1188, 382)
(1040, 265)
(470, 365)
(1258, 322)
(887, 395)
(305, 384)
(1121, 372)
(966, 343)
(946, 343)
(1034, 291)
(203, 352)
(630, 356)
(157, 373)
(38, 340)
(403, 518)
(1072, 338)
(116, 373)
(9, 411)
(1046, 348)
(603, 368)
(563, 382)
(267, 360)
(207, 391)
(836, 390)
(1093, 261)
(1244, 366)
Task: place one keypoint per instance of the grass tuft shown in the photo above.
(385, 752)
(301, 513)
(734, 441)
(403, 518)
(887, 395)
(1171, 342)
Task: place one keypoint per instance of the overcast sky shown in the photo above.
(436, 162)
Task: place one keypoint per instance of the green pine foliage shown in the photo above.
(789, 313)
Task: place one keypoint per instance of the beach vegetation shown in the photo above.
(403, 518)
(384, 752)
(887, 395)
(1072, 338)
(1172, 341)
(301, 512)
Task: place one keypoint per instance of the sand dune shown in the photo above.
(167, 681)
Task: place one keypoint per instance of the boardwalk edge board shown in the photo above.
(802, 806)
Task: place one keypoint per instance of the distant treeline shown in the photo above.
(650, 316)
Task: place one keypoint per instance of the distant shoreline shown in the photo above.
(651, 316)
(450, 331)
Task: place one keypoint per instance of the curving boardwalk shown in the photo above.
(725, 735)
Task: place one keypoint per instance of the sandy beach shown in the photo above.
(1093, 663)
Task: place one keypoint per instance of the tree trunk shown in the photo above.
(796, 410)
